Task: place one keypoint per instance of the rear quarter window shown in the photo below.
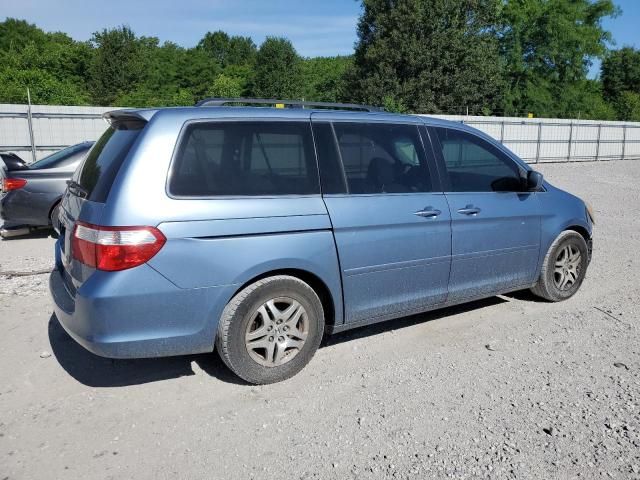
(245, 159)
(104, 160)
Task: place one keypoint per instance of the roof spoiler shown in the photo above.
(122, 116)
(223, 102)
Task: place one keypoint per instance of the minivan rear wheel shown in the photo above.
(271, 329)
(564, 267)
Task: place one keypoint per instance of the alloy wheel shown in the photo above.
(277, 331)
(567, 267)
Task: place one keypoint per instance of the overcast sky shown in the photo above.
(316, 27)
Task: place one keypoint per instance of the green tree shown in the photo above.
(584, 100)
(226, 50)
(620, 75)
(15, 34)
(620, 72)
(278, 72)
(225, 86)
(435, 56)
(45, 88)
(324, 78)
(197, 72)
(548, 47)
(627, 106)
(52, 65)
(244, 75)
(145, 97)
(215, 44)
(119, 64)
(242, 51)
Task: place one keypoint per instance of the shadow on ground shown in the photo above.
(405, 322)
(95, 371)
(525, 295)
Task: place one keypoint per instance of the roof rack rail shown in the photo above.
(221, 102)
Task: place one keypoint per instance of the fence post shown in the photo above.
(538, 143)
(30, 124)
(502, 131)
(598, 142)
(570, 141)
(624, 141)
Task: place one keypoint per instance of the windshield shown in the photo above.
(62, 157)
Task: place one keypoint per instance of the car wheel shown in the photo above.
(564, 267)
(271, 329)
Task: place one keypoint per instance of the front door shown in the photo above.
(390, 222)
(495, 224)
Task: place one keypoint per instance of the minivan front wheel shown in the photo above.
(564, 267)
(271, 329)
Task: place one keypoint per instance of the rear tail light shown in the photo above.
(115, 248)
(9, 184)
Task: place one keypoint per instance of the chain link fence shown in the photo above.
(49, 128)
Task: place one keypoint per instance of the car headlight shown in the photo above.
(590, 212)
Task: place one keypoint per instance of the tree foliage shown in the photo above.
(426, 56)
(118, 64)
(226, 50)
(226, 87)
(323, 78)
(621, 82)
(548, 47)
(278, 72)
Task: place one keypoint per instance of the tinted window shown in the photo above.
(474, 165)
(62, 157)
(331, 174)
(104, 160)
(245, 158)
(382, 158)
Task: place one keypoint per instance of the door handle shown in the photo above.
(469, 210)
(428, 212)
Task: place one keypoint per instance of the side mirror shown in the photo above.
(534, 181)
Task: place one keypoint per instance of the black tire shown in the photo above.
(548, 284)
(234, 328)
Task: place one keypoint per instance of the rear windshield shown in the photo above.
(62, 157)
(245, 158)
(104, 160)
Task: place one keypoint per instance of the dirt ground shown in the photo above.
(508, 387)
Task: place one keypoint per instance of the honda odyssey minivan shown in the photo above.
(254, 230)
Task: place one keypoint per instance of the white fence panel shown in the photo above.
(560, 140)
(533, 139)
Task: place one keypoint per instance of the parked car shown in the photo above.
(31, 193)
(258, 229)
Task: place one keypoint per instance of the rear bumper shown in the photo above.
(143, 315)
(21, 207)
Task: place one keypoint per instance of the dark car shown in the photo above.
(31, 193)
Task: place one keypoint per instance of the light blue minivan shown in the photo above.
(255, 230)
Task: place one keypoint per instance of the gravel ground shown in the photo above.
(508, 387)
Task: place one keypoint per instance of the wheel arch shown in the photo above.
(581, 230)
(54, 204)
(313, 280)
